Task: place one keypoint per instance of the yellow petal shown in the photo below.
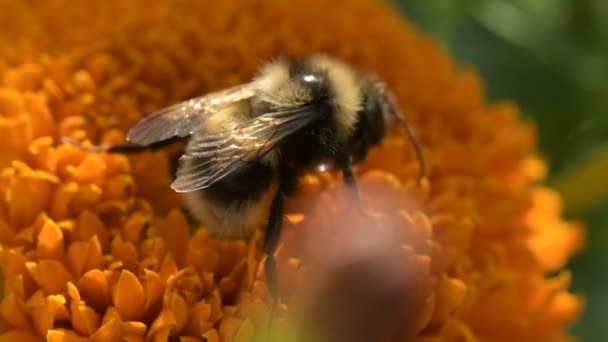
(128, 297)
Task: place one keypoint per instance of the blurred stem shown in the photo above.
(514, 25)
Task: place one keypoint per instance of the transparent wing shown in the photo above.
(214, 156)
(181, 119)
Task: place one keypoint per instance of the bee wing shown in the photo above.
(181, 119)
(214, 156)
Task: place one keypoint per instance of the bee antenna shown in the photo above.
(394, 109)
(94, 148)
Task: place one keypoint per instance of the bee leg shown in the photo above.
(271, 241)
(343, 160)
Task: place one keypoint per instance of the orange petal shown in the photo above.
(189, 339)
(229, 327)
(50, 275)
(176, 234)
(64, 336)
(50, 242)
(19, 335)
(62, 197)
(256, 310)
(167, 268)
(153, 290)
(94, 289)
(125, 252)
(111, 331)
(118, 188)
(134, 227)
(7, 234)
(45, 313)
(27, 197)
(13, 262)
(84, 319)
(200, 313)
(450, 295)
(12, 312)
(211, 336)
(91, 170)
(128, 297)
(134, 330)
(86, 198)
(83, 256)
(42, 122)
(162, 326)
(245, 332)
(177, 305)
(88, 225)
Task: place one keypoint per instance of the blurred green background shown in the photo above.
(551, 56)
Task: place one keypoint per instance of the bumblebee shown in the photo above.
(247, 145)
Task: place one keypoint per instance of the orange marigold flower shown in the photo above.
(94, 246)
